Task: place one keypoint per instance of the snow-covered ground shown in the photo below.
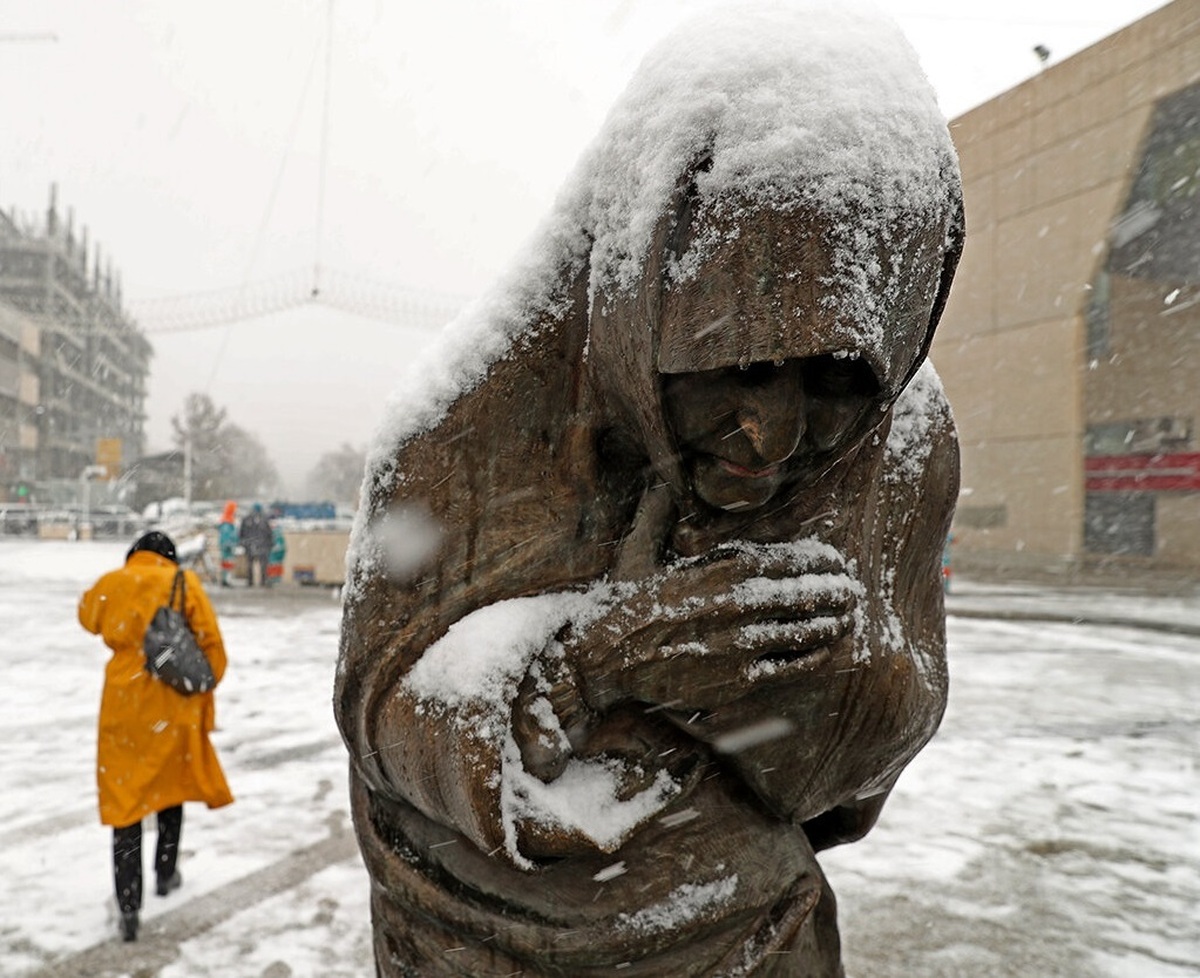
(1050, 830)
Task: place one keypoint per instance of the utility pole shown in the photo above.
(324, 164)
(90, 472)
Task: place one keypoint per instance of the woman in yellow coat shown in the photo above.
(153, 750)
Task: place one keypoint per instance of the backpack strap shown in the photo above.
(179, 585)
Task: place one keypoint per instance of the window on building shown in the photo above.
(1119, 524)
(1156, 235)
(1098, 318)
(1140, 436)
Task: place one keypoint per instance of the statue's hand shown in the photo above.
(708, 630)
(625, 764)
(697, 633)
(550, 720)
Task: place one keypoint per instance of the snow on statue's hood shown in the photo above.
(771, 107)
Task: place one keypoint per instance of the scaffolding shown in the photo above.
(90, 361)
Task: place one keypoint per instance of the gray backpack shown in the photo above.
(172, 654)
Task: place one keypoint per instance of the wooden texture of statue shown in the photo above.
(645, 603)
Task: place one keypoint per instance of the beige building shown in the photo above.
(1070, 348)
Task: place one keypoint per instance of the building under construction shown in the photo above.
(73, 365)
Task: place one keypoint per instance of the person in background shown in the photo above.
(947, 563)
(227, 541)
(153, 749)
(278, 553)
(255, 535)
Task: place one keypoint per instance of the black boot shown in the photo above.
(127, 864)
(129, 925)
(166, 884)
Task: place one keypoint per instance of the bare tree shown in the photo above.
(338, 475)
(226, 460)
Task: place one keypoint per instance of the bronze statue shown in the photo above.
(644, 604)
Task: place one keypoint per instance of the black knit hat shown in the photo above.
(155, 542)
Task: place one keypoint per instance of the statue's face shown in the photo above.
(743, 432)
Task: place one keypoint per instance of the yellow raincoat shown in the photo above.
(153, 750)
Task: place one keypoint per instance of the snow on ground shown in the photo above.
(304, 914)
(1050, 829)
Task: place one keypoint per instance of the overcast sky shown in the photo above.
(189, 138)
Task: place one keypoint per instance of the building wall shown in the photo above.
(20, 354)
(1152, 366)
(1179, 534)
(1047, 167)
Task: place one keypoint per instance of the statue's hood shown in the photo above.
(818, 110)
(777, 181)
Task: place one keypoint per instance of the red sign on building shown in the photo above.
(1177, 472)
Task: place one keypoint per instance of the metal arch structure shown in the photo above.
(359, 295)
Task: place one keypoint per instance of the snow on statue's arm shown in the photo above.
(469, 680)
(433, 723)
(422, 683)
(469, 724)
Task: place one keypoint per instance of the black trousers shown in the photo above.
(259, 561)
(127, 856)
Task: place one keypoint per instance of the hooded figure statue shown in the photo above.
(644, 603)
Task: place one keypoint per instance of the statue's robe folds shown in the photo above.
(539, 601)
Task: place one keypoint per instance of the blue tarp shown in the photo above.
(304, 511)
